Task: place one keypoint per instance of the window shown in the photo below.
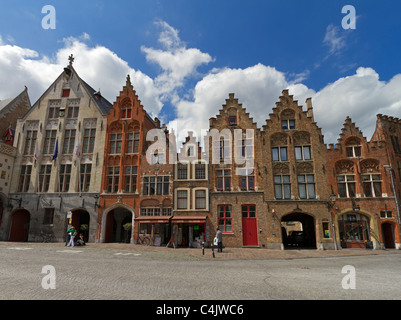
(150, 212)
(282, 187)
(115, 143)
(232, 120)
(303, 153)
(200, 199)
(65, 93)
(126, 113)
(166, 212)
(248, 211)
(48, 216)
(279, 154)
(25, 178)
(85, 177)
(224, 217)
(247, 182)
(182, 171)
(162, 186)
(54, 109)
(224, 149)
(30, 142)
(113, 179)
(386, 214)
(223, 180)
(131, 173)
(200, 171)
(158, 158)
(65, 177)
(246, 148)
(326, 232)
(156, 185)
(72, 112)
(306, 186)
(372, 185)
(69, 141)
(50, 141)
(353, 151)
(182, 199)
(89, 140)
(44, 177)
(288, 124)
(346, 186)
(133, 142)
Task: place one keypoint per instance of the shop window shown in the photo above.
(326, 230)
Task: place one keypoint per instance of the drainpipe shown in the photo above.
(395, 192)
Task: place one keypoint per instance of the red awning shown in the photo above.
(188, 219)
(155, 219)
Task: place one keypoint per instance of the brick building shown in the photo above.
(134, 191)
(191, 195)
(361, 177)
(236, 185)
(294, 174)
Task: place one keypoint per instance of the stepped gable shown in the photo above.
(286, 106)
(233, 115)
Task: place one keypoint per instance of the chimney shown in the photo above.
(309, 108)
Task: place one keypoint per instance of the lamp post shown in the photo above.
(330, 206)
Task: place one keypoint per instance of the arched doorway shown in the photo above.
(388, 235)
(298, 231)
(80, 220)
(115, 221)
(354, 230)
(19, 227)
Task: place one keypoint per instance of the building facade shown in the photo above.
(116, 174)
(59, 160)
(136, 194)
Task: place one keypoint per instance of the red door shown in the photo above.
(249, 226)
(19, 226)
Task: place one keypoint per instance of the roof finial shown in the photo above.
(71, 59)
(128, 80)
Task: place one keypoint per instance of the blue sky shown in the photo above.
(252, 48)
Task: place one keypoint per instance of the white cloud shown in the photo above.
(334, 39)
(360, 95)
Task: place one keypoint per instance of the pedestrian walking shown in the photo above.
(219, 237)
(73, 234)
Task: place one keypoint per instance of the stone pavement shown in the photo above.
(227, 254)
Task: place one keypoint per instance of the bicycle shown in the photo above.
(144, 240)
(46, 237)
